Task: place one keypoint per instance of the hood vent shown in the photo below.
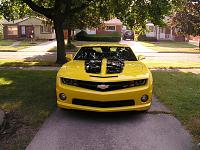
(103, 76)
(114, 67)
(93, 66)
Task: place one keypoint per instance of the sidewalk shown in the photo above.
(137, 47)
(44, 47)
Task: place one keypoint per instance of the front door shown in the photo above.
(29, 31)
(23, 31)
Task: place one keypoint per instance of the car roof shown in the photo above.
(105, 44)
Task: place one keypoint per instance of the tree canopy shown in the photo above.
(83, 13)
(187, 19)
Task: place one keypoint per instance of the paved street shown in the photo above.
(156, 56)
(40, 53)
(78, 130)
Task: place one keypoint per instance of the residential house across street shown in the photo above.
(107, 27)
(33, 27)
(163, 33)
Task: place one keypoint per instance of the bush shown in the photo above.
(145, 38)
(83, 36)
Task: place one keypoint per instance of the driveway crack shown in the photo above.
(155, 112)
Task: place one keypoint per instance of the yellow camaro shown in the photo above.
(104, 78)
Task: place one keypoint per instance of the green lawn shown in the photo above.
(6, 45)
(150, 64)
(30, 96)
(181, 92)
(31, 43)
(31, 102)
(6, 42)
(171, 64)
(172, 46)
(21, 63)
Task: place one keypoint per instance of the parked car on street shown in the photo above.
(104, 78)
(128, 35)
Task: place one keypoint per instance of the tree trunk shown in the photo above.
(72, 34)
(60, 42)
(69, 42)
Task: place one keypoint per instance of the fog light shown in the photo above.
(62, 96)
(144, 98)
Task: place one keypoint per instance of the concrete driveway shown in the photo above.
(78, 130)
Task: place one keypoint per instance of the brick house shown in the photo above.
(32, 27)
(107, 27)
(163, 33)
(195, 40)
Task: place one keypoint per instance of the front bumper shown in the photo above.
(134, 93)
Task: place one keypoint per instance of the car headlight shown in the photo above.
(69, 81)
(137, 83)
(140, 82)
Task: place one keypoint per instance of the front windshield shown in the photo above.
(108, 52)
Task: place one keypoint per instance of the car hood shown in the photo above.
(132, 70)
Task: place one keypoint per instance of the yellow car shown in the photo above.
(104, 78)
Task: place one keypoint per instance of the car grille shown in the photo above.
(107, 104)
(103, 86)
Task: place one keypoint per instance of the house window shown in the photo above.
(12, 30)
(46, 29)
(151, 28)
(110, 28)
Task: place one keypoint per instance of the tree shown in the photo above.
(187, 19)
(136, 14)
(88, 18)
(56, 10)
(132, 12)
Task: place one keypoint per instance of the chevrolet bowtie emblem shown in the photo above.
(103, 86)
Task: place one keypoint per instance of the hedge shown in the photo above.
(83, 36)
(145, 38)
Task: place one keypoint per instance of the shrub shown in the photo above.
(83, 36)
(143, 37)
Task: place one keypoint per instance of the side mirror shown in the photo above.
(69, 57)
(141, 57)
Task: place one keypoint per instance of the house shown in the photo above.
(107, 27)
(194, 40)
(32, 27)
(163, 33)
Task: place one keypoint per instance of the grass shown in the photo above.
(6, 42)
(30, 43)
(150, 64)
(171, 64)
(30, 101)
(6, 45)
(172, 46)
(21, 63)
(180, 92)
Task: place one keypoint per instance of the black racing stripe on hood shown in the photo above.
(114, 66)
(93, 66)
